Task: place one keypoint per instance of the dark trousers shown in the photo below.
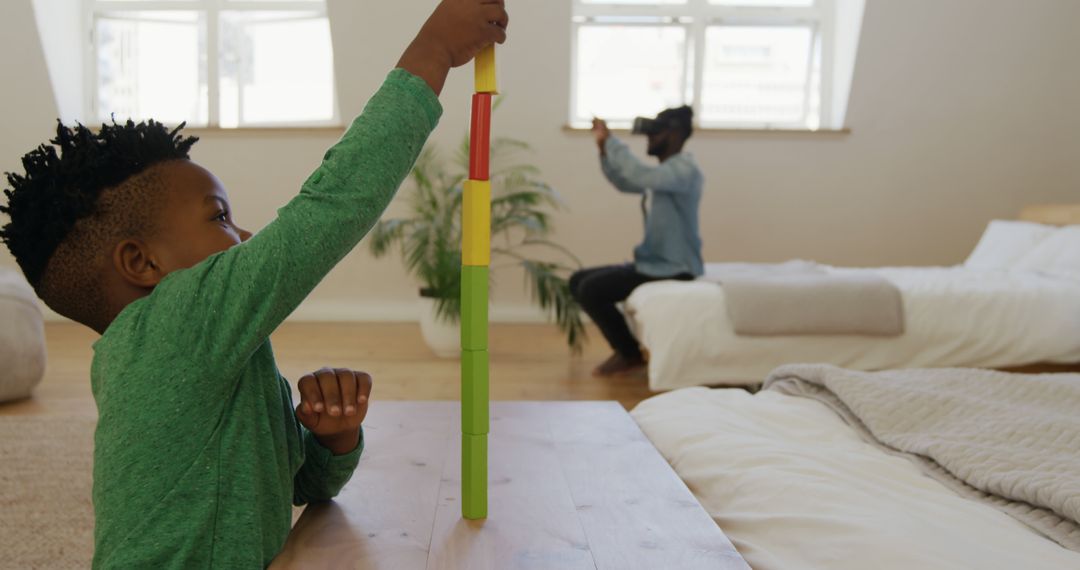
(598, 289)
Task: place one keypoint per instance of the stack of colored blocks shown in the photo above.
(475, 259)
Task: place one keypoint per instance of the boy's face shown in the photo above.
(197, 219)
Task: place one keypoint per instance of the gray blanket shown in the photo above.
(802, 298)
(1009, 440)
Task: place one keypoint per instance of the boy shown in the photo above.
(198, 451)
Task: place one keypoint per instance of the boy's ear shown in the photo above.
(134, 262)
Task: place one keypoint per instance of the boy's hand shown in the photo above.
(333, 404)
(456, 31)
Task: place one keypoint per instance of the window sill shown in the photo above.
(735, 132)
(276, 132)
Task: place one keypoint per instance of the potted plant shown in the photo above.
(429, 239)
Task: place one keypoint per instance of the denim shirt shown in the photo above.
(672, 190)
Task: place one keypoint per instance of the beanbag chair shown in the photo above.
(22, 337)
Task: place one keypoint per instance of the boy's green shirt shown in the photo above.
(198, 454)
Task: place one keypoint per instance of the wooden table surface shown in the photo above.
(573, 485)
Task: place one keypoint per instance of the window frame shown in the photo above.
(698, 16)
(94, 9)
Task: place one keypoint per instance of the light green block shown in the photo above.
(474, 392)
(474, 476)
(474, 308)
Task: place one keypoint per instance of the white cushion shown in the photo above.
(1057, 254)
(1004, 242)
(22, 337)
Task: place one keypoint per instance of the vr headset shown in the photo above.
(646, 126)
(651, 126)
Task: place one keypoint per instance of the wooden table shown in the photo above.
(573, 485)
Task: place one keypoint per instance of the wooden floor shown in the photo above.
(528, 362)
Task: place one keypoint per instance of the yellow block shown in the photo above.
(485, 71)
(476, 224)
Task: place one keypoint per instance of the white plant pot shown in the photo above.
(444, 338)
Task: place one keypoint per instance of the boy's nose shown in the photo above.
(244, 235)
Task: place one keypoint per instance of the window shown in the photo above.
(218, 63)
(739, 63)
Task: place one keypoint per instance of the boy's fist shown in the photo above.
(333, 404)
(464, 27)
(454, 34)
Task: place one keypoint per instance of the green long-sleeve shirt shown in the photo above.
(198, 454)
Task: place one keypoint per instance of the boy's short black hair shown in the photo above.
(58, 199)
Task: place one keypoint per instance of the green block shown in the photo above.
(474, 308)
(474, 476)
(474, 392)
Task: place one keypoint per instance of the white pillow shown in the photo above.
(1005, 242)
(1057, 254)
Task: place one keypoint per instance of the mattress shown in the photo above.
(954, 317)
(795, 488)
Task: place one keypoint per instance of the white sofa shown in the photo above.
(22, 337)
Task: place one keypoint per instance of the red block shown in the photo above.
(480, 137)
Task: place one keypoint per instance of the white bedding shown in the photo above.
(794, 488)
(954, 317)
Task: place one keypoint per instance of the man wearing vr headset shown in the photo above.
(670, 196)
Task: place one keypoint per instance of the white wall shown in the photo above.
(59, 23)
(960, 112)
(27, 107)
(849, 18)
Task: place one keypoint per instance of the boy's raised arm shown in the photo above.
(235, 299)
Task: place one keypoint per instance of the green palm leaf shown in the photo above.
(429, 237)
